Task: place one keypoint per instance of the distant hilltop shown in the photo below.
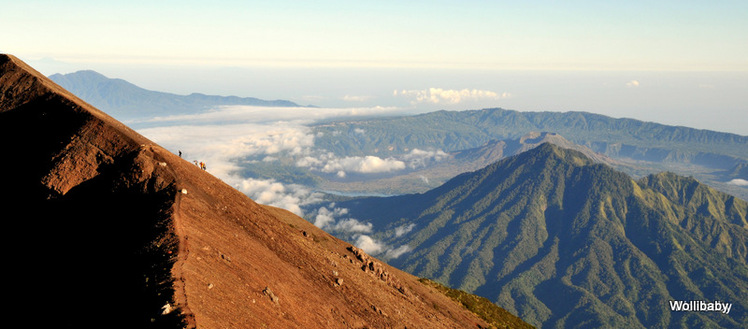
(126, 101)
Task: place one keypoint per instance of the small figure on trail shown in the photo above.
(202, 165)
(196, 163)
(180, 153)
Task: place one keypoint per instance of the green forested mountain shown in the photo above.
(564, 242)
(459, 130)
(126, 101)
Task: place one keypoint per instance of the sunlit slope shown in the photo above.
(564, 242)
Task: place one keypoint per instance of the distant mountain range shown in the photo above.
(639, 148)
(562, 241)
(125, 101)
(454, 163)
(459, 130)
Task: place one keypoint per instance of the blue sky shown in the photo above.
(675, 62)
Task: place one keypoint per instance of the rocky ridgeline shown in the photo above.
(376, 269)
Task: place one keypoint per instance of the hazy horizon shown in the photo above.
(671, 62)
(701, 100)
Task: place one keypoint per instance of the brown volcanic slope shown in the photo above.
(119, 232)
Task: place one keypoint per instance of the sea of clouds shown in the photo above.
(222, 137)
(738, 182)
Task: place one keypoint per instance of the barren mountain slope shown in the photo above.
(127, 234)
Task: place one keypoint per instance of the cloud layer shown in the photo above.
(336, 220)
(269, 192)
(226, 137)
(342, 166)
(738, 182)
(449, 96)
(329, 163)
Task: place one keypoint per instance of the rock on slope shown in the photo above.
(127, 234)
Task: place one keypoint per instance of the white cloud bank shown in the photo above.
(269, 192)
(374, 247)
(738, 182)
(329, 163)
(336, 220)
(397, 252)
(420, 158)
(220, 146)
(369, 245)
(224, 136)
(404, 229)
(330, 220)
(232, 114)
(356, 98)
(366, 165)
(449, 96)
